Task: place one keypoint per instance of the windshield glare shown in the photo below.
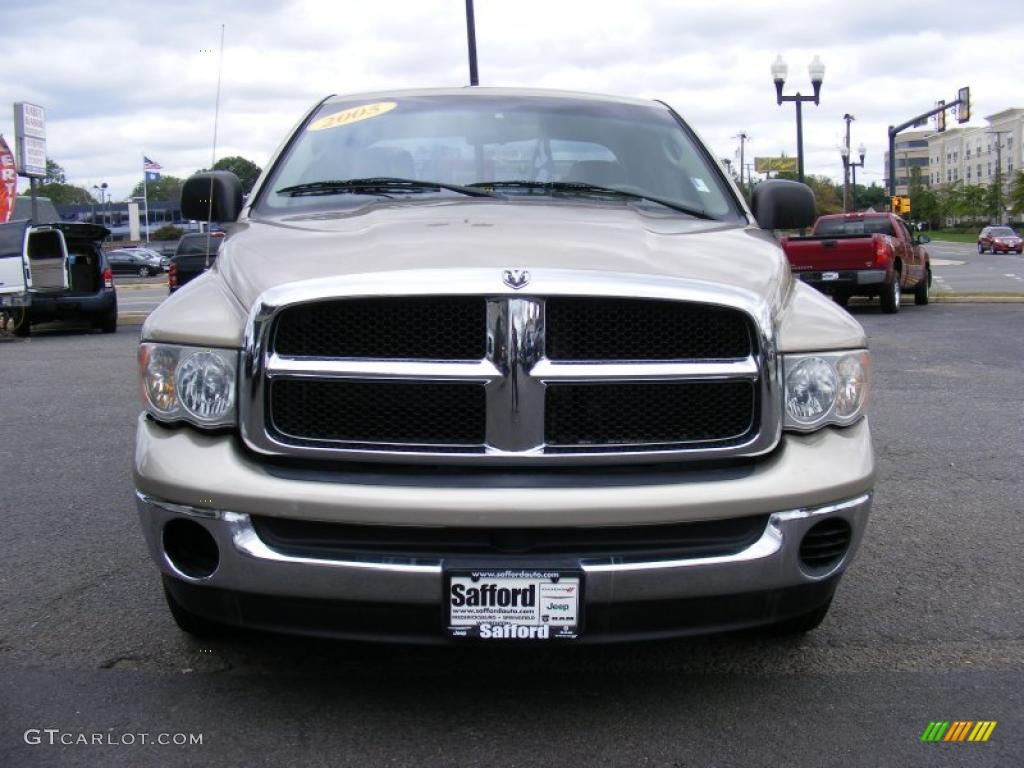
(464, 140)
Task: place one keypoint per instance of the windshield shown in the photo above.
(509, 147)
(880, 225)
(1001, 232)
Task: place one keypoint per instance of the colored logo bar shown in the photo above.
(959, 730)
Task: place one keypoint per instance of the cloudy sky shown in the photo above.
(121, 79)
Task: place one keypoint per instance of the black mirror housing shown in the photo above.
(783, 204)
(222, 187)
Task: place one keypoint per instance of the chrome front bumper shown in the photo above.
(248, 565)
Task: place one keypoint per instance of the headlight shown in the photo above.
(193, 384)
(825, 388)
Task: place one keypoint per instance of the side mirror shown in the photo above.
(922, 239)
(223, 188)
(783, 204)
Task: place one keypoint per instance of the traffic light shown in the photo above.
(963, 112)
(899, 204)
(940, 118)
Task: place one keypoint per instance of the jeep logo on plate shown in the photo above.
(515, 278)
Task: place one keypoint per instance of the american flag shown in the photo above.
(150, 169)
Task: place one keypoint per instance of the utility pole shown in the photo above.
(999, 172)
(744, 138)
(474, 78)
(846, 165)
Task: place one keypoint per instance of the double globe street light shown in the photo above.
(817, 72)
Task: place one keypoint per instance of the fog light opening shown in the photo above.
(825, 545)
(191, 549)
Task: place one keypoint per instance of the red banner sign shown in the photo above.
(8, 182)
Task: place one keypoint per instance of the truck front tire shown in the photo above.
(922, 291)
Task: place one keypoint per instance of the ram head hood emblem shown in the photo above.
(515, 278)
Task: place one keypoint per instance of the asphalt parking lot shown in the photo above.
(926, 625)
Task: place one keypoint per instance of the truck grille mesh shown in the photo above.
(409, 328)
(423, 413)
(649, 413)
(635, 329)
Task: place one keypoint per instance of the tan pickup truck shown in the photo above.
(494, 364)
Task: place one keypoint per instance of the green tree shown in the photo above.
(54, 173)
(974, 199)
(1017, 193)
(993, 202)
(167, 232)
(924, 205)
(246, 170)
(827, 194)
(166, 188)
(56, 188)
(873, 196)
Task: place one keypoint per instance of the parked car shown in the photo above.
(196, 252)
(999, 240)
(154, 252)
(135, 261)
(55, 272)
(862, 254)
(500, 365)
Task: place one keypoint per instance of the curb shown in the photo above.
(132, 318)
(138, 286)
(979, 298)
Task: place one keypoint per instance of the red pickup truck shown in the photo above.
(862, 254)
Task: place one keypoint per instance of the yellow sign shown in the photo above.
(353, 115)
(768, 164)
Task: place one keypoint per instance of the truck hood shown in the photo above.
(265, 253)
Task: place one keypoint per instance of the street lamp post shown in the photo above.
(102, 189)
(850, 167)
(846, 168)
(817, 72)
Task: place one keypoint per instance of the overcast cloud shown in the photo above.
(121, 79)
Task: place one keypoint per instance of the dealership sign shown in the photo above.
(8, 182)
(30, 139)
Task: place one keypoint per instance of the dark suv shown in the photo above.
(194, 255)
(76, 284)
(999, 240)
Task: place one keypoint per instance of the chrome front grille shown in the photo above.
(346, 376)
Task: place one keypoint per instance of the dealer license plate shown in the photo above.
(829, 276)
(514, 604)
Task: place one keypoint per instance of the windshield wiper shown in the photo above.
(583, 188)
(376, 185)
